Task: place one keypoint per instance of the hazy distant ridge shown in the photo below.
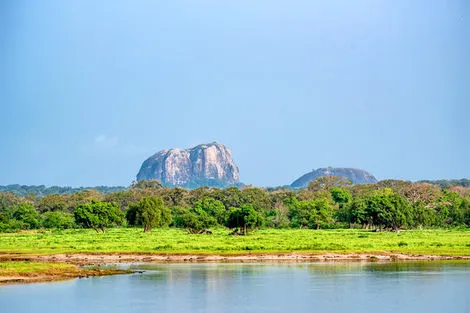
(357, 176)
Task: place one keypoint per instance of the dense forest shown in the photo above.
(328, 202)
(41, 190)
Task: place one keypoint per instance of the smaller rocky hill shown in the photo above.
(357, 176)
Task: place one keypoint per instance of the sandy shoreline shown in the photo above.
(100, 258)
(56, 275)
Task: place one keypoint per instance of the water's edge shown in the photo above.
(99, 258)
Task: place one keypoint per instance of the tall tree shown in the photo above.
(388, 209)
(194, 219)
(214, 208)
(310, 213)
(98, 215)
(26, 214)
(150, 212)
(53, 203)
(244, 218)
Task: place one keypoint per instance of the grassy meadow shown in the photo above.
(24, 267)
(175, 241)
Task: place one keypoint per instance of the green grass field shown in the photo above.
(175, 241)
(9, 268)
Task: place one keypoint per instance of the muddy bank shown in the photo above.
(100, 258)
(55, 275)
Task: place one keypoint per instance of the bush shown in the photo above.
(26, 215)
(59, 220)
(149, 212)
(193, 219)
(98, 215)
(10, 226)
(244, 218)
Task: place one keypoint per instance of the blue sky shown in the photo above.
(89, 89)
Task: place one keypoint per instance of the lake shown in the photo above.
(261, 287)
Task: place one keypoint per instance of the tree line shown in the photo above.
(328, 202)
(41, 190)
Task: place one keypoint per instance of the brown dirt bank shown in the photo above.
(100, 258)
(55, 275)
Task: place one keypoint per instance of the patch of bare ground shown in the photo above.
(102, 258)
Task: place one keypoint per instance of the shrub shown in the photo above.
(26, 215)
(149, 212)
(58, 220)
(98, 215)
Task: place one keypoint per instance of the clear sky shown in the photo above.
(89, 89)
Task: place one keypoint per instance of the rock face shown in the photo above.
(357, 176)
(204, 165)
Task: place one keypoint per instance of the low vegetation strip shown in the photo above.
(452, 242)
(28, 272)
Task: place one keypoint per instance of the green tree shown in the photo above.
(423, 215)
(230, 197)
(316, 213)
(98, 215)
(200, 193)
(397, 186)
(258, 198)
(340, 196)
(388, 209)
(54, 203)
(299, 213)
(26, 214)
(8, 200)
(7, 222)
(149, 212)
(449, 208)
(323, 213)
(214, 208)
(59, 220)
(343, 198)
(82, 197)
(124, 198)
(357, 211)
(177, 196)
(244, 218)
(279, 216)
(466, 210)
(193, 219)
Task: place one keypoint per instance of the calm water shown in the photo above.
(314, 287)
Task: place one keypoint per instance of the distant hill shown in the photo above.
(204, 165)
(357, 176)
(41, 190)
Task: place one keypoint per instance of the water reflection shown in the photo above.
(182, 272)
(323, 287)
(430, 266)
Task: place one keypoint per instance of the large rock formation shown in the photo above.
(357, 176)
(204, 165)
